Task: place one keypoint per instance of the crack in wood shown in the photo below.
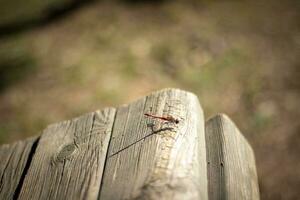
(26, 168)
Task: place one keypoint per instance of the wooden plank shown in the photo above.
(231, 162)
(15, 159)
(149, 159)
(69, 159)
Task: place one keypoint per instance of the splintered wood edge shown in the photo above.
(231, 162)
(15, 160)
(141, 164)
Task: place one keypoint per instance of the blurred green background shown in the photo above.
(61, 59)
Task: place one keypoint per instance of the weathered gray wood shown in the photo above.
(148, 159)
(231, 163)
(69, 159)
(13, 160)
(127, 155)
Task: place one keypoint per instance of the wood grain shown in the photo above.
(123, 154)
(14, 159)
(231, 163)
(69, 159)
(150, 159)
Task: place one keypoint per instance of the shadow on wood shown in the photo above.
(121, 154)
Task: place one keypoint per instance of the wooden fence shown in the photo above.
(119, 153)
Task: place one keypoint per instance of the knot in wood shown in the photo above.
(66, 152)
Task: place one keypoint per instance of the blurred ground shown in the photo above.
(239, 57)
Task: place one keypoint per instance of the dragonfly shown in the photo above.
(164, 118)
